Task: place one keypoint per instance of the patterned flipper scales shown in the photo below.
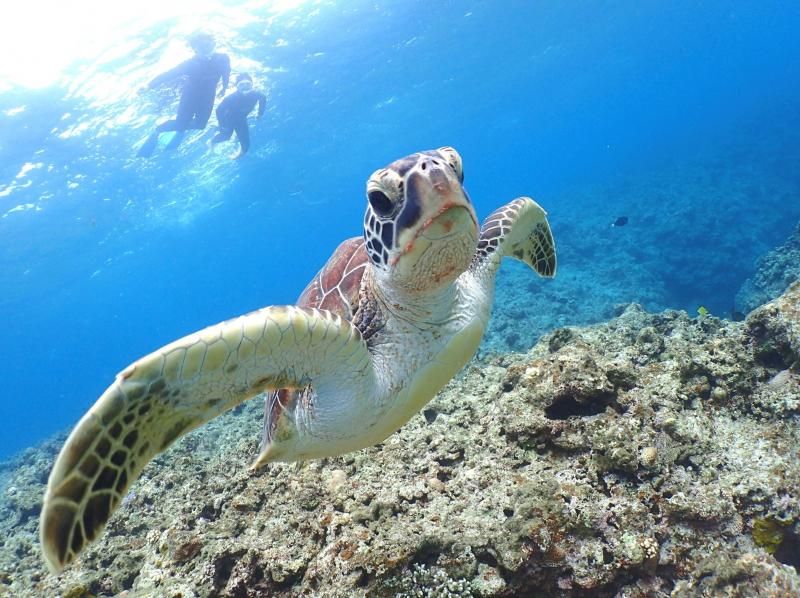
(520, 230)
(174, 390)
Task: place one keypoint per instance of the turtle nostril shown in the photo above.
(423, 166)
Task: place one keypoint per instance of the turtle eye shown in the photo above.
(454, 160)
(380, 202)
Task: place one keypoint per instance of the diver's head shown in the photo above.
(244, 82)
(202, 43)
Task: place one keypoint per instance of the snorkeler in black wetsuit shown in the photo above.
(233, 110)
(201, 74)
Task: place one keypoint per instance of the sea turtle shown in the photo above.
(385, 324)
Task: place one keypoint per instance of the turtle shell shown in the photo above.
(337, 285)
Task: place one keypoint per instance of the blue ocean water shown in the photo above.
(683, 116)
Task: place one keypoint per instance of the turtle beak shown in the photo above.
(438, 187)
(446, 205)
(439, 181)
(452, 219)
(441, 205)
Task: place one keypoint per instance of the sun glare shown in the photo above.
(40, 39)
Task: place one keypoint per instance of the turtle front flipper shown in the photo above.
(520, 230)
(166, 394)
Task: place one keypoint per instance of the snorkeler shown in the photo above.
(201, 73)
(233, 110)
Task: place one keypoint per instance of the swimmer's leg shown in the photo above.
(243, 135)
(223, 134)
(203, 107)
(149, 145)
(180, 123)
(196, 119)
(169, 125)
(177, 124)
(176, 140)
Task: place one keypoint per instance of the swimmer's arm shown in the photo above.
(170, 75)
(224, 109)
(262, 105)
(226, 73)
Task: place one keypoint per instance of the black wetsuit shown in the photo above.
(232, 115)
(201, 73)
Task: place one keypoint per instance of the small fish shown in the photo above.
(737, 316)
(621, 221)
(702, 311)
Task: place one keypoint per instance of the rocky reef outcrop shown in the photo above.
(775, 271)
(654, 455)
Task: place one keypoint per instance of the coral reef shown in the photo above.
(695, 229)
(654, 455)
(775, 271)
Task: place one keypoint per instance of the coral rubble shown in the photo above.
(653, 455)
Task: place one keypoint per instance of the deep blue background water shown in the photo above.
(683, 115)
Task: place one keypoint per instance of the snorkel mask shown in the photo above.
(202, 44)
(244, 83)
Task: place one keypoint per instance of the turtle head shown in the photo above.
(420, 228)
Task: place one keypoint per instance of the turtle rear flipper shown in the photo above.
(174, 390)
(520, 230)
